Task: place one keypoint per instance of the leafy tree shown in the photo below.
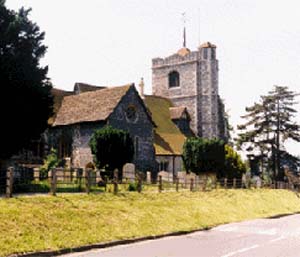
(203, 155)
(269, 124)
(234, 166)
(25, 99)
(112, 148)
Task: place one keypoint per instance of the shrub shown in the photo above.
(111, 147)
(133, 186)
(50, 162)
(203, 155)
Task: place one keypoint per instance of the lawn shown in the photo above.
(34, 223)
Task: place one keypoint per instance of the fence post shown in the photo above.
(160, 187)
(192, 185)
(88, 181)
(53, 182)
(225, 183)
(115, 183)
(234, 183)
(177, 184)
(139, 184)
(204, 184)
(9, 182)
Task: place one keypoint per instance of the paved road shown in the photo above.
(261, 237)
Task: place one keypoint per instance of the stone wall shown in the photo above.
(140, 129)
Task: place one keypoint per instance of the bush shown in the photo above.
(203, 155)
(133, 187)
(50, 162)
(112, 148)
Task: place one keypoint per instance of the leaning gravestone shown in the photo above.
(129, 172)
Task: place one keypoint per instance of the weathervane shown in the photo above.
(184, 22)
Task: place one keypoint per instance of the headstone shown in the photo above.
(129, 172)
(98, 176)
(190, 176)
(116, 174)
(181, 176)
(68, 163)
(166, 176)
(149, 177)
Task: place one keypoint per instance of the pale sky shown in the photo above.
(112, 42)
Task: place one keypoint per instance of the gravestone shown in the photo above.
(149, 177)
(129, 172)
(190, 176)
(166, 176)
(181, 176)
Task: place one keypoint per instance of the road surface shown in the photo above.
(262, 237)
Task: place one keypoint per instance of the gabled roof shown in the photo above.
(168, 139)
(177, 113)
(90, 106)
(83, 87)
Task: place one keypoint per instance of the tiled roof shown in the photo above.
(89, 106)
(168, 139)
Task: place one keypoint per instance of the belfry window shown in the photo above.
(205, 53)
(174, 79)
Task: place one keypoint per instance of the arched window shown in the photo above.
(174, 79)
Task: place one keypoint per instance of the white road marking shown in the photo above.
(241, 250)
(277, 239)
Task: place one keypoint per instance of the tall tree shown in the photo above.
(25, 99)
(269, 124)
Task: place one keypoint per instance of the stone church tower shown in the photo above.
(190, 79)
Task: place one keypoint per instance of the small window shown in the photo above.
(174, 79)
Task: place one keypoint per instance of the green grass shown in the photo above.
(48, 223)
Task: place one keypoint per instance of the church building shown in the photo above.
(185, 102)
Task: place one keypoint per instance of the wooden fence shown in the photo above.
(88, 181)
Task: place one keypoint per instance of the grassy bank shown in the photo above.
(44, 222)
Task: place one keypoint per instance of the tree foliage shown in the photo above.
(270, 122)
(25, 99)
(204, 155)
(111, 147)
(234, 166)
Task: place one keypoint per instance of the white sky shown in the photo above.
(112, 42)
